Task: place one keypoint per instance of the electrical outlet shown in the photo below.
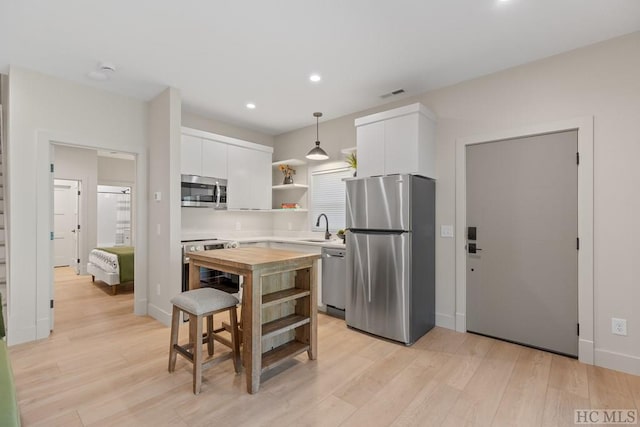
(158, 289)
(619, 326)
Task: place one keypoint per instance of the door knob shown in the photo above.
(473, 248)
(73, 231)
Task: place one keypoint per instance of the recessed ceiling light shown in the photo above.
(251, 106)
(315, 78)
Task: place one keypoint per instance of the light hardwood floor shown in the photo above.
(105, 366)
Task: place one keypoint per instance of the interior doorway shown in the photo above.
(66, 223)
(114, 215)
(104, 219)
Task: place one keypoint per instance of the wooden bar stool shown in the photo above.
(198, 304)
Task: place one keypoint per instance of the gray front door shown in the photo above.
(522, 199)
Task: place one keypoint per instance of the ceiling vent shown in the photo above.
(393, 93)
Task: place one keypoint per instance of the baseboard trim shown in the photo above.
(445, 321)
(159, 314)
(20, 335)
(140, 307)
(617, 361)
(585, 351)
(461, 322)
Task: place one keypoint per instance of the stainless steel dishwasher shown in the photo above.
(334, 280)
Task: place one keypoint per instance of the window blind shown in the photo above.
(329, 197)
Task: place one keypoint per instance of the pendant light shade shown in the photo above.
(316, 152)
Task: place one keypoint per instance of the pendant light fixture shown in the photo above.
(316, 152)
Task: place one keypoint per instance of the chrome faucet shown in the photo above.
(327, 235)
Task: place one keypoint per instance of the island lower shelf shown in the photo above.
(283, 296)
(281, 354)
(283, 324)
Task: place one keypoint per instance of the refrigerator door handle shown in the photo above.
(369, 286)
(372, 231)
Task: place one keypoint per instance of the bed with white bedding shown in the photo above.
(112, 266)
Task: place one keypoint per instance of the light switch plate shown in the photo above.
(446, 231)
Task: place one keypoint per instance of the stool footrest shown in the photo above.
(183, 352)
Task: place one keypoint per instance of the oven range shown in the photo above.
(209, 278)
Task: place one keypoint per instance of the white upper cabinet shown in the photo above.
(249, 182)
(203, 157)
(246, 166)
(370, 140)
(214, 159)
(401, 140)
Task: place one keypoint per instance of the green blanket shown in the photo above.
(9, 412)
(125, 260)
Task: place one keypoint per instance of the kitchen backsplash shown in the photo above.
(207, 222)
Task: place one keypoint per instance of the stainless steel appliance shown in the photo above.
(391, 256)
(334, 280)
(208, 278)
(202, 191)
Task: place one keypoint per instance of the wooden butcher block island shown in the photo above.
(279, 303)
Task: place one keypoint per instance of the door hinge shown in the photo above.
(578, 329)
(78, 192)
(78, 261)
(78, 226)
(51, 303)
(577, 158)
(51, 235)
(51, 167)
(577, 243)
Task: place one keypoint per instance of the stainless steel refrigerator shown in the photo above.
(391, 256)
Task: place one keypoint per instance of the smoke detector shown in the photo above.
(103, 71)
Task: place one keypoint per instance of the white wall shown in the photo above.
(201, 223)
(113, 171)
(195, 121)
(81, 164)
(44, 109)
(165, 253)
(599, 81)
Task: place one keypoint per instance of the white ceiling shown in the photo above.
(222, 54)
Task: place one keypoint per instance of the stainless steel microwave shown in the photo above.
(204, 192)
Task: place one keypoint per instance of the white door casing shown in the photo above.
(44, 247)
(584, 126)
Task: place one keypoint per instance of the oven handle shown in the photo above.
(217, 195)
